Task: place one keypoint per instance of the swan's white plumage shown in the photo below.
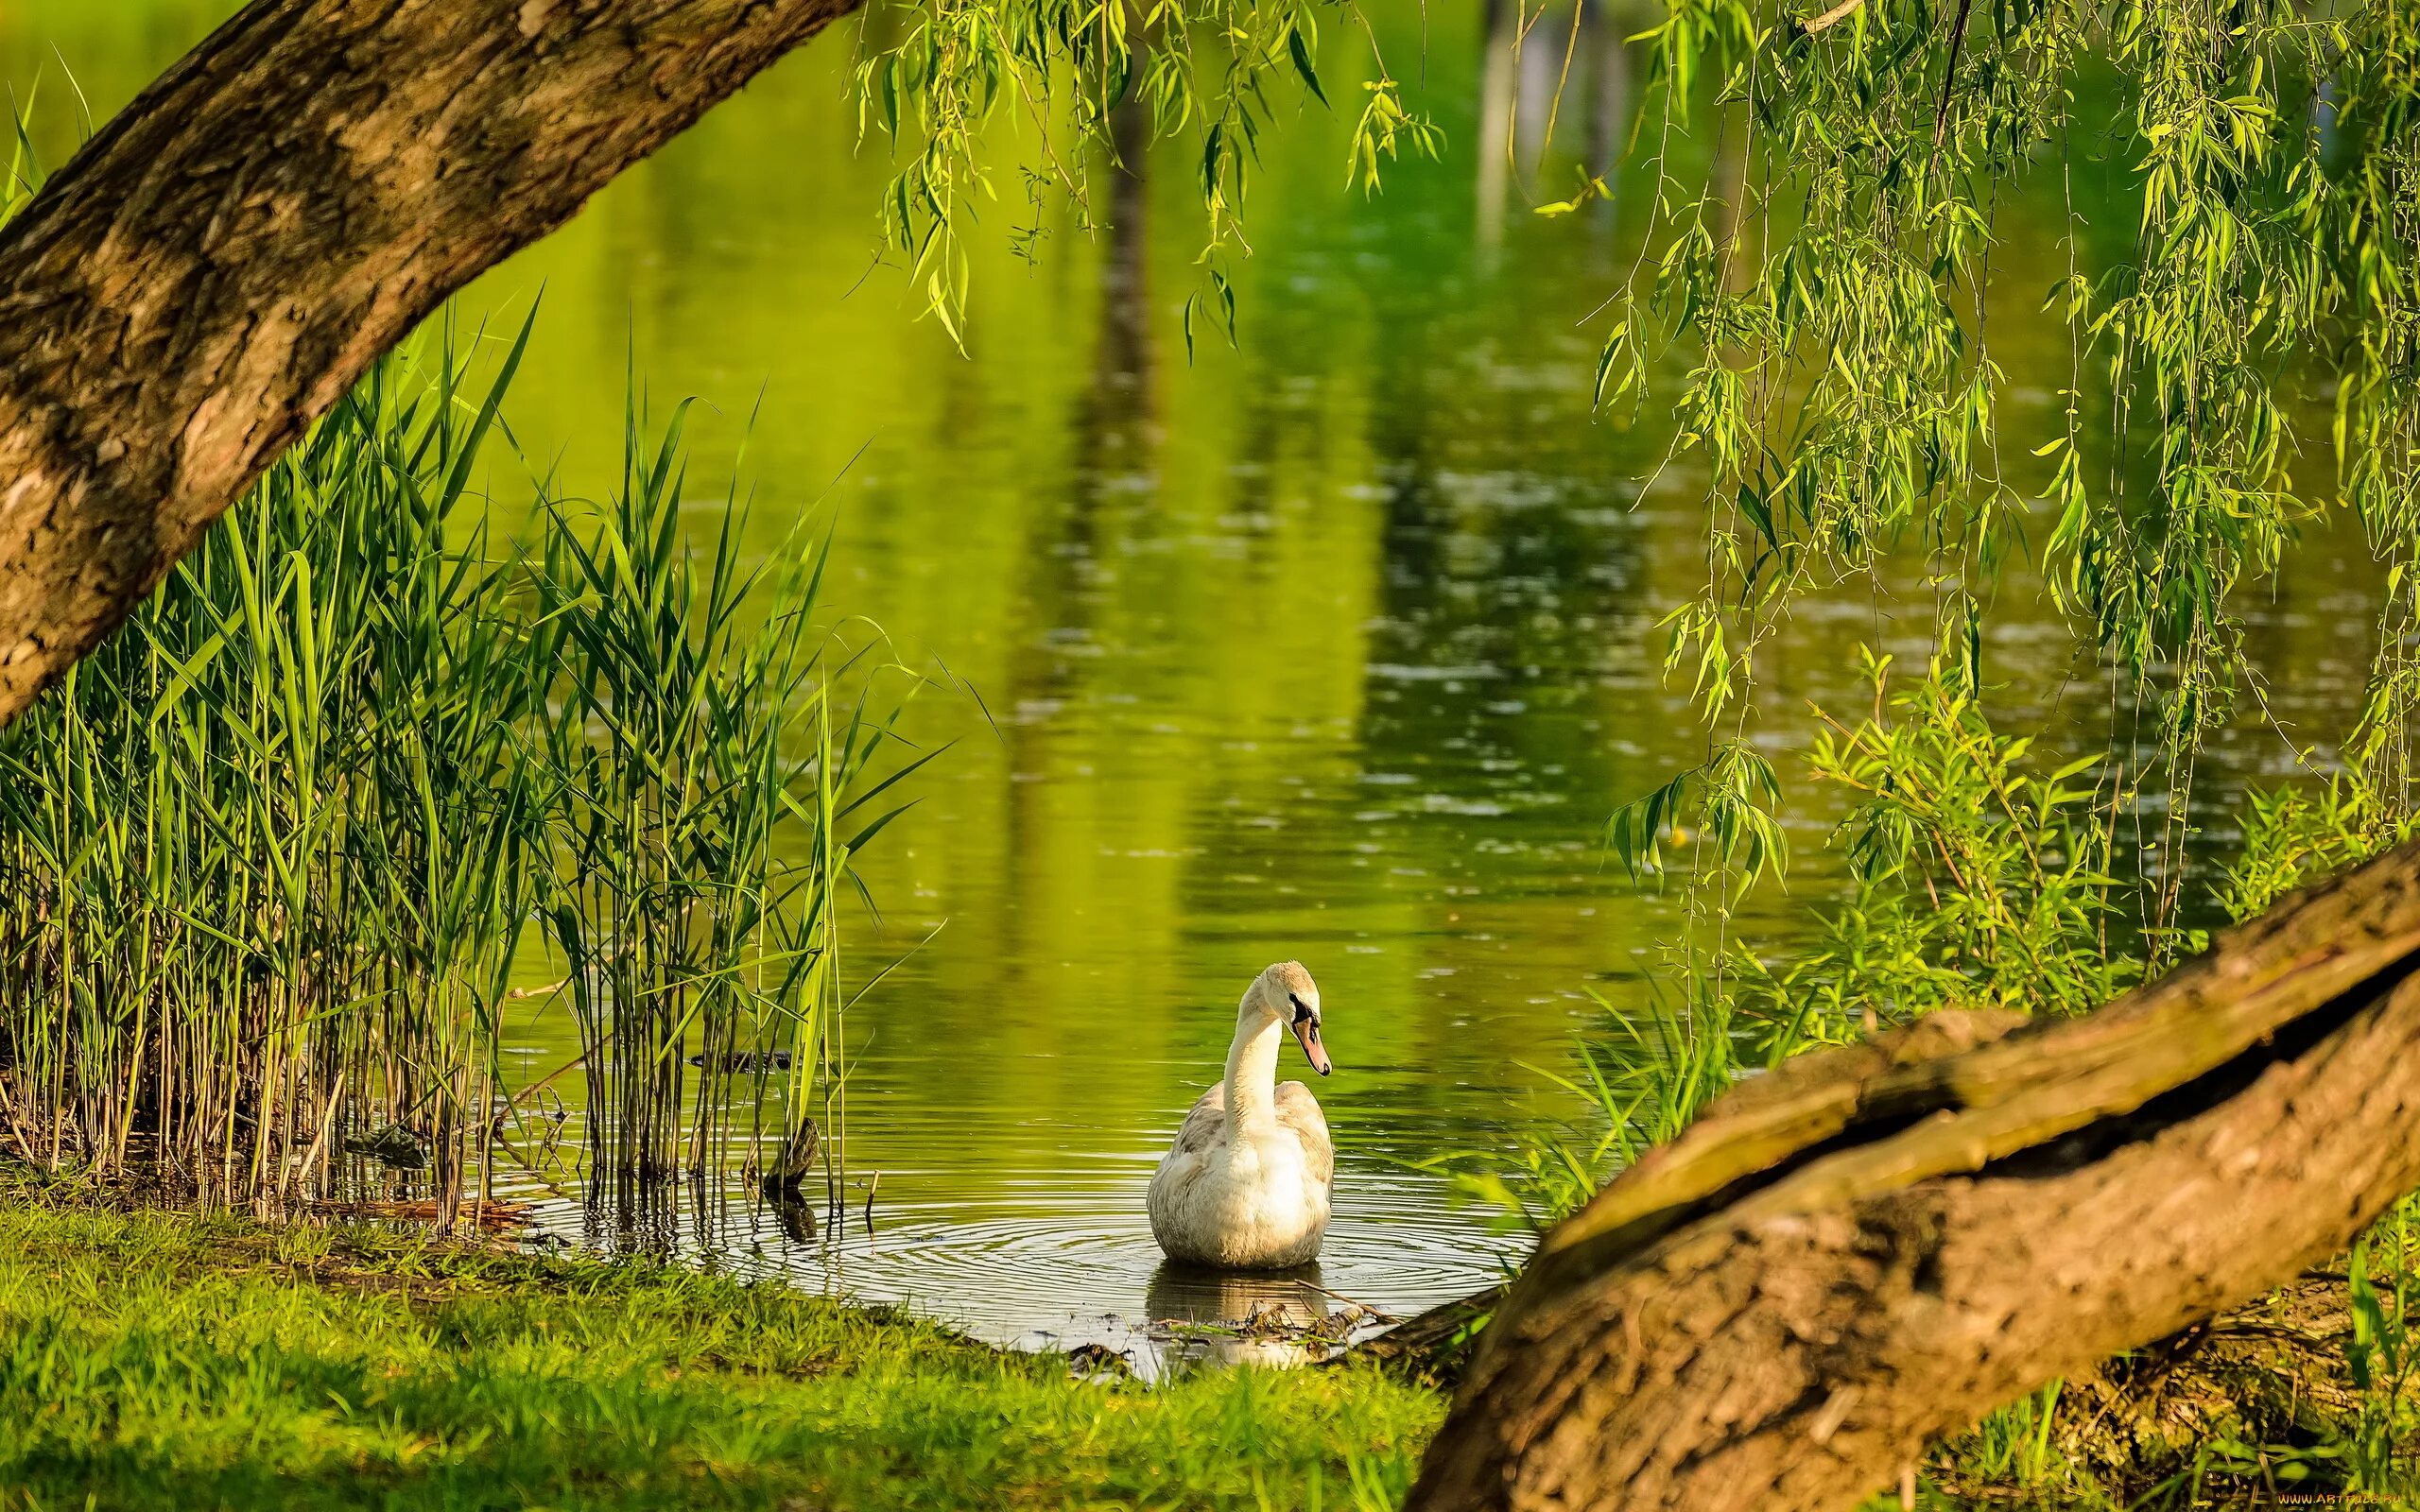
(1246, 1184)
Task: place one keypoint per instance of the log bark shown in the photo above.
(1869, 1248)
(216, 266)
(1431, 1349)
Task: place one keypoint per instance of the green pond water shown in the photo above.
(1338, 646)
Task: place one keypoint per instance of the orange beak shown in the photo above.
(1307, 1032)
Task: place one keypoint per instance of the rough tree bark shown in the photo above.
(220, 264)
(1869, 1248)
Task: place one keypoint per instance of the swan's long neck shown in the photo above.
(1252, 1069)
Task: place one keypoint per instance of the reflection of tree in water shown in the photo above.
(1120, 414)
(1501, 561)
(1112, 458)
(1523, 86)
(1114, 426)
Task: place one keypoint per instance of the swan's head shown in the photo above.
(1289, 995)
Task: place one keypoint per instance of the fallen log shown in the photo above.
(214, 269)
(1433, 1347)
(2272, 1371)
(1866, 1249)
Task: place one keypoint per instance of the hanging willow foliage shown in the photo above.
(1843, 395)
(933, 75)
(1822, 194)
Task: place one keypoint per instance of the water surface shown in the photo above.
(1336, 646)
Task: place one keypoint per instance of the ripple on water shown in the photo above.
(1047, 1265)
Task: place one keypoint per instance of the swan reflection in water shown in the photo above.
(1203, 1317)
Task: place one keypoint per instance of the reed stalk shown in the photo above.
(268, 856)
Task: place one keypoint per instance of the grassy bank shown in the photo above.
(155, 1360)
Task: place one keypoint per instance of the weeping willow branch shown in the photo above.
(1840, 398)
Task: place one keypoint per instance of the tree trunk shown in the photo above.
(216, 266)
(1869, 1248)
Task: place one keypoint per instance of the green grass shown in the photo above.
(156, 1360)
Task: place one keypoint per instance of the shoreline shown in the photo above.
(150, 1358)
(153, 1356)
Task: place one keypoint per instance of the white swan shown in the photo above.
(1246, 1185)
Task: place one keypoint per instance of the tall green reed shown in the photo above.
(267, 857)
(711, 774)
(264, 852)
